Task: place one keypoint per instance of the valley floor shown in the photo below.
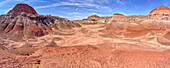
(89, 46)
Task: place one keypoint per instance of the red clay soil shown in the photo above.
(116, 55)
(9, 60)
(103, 57)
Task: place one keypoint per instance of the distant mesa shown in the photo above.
(106, 17)
(137, 16)
(160, 10)
(93, 17)
(117, 14)
(22, 8)
(98, 17)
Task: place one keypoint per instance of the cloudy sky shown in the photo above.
(79, 9)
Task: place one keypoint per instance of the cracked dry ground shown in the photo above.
(9, 60)
(103, 56)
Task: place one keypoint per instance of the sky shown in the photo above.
(80, 9)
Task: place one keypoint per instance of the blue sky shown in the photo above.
(79, 9)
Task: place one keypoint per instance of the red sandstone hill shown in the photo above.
(161, 10)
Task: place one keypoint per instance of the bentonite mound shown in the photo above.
(165, 40)
(23, 20)
(142, 27)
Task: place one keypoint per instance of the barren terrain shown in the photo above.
(30, 40)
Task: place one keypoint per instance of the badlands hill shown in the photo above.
(31, 40)
(161, 10)
(24, 22)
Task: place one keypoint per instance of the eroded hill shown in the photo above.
(31, 40)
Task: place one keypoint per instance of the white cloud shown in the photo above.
(91, 1)
(88, 7)
(47, 6)
(76, 9)
(29, 1)
(75, 13)
(8, 10)
(76, 17)
(19, 0)
(96, 14)
(4, 2)
(81, 4)
(3, 10)
(82, 8)
(119, 2)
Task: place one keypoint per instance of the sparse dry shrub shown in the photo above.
(57, 39)
(84, 30)
(23, 51)
(52, 44)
